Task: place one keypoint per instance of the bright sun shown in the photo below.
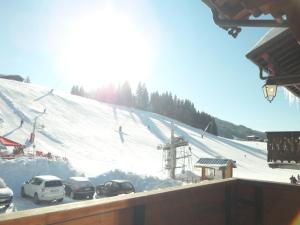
(105, 47)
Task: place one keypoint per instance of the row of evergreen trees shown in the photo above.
(165, 104)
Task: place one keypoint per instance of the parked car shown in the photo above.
(79, 187)
(44, 188)
(6, 194)
(115, 187)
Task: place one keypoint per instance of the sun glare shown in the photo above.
(105, 47)
(296, 220)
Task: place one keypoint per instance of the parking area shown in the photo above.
(20, 204)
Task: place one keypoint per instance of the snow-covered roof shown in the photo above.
(277, 53)
(214, 162)
(268, 36)
(79, 178)
(120, 181)
(47, 177)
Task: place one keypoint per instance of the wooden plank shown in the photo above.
(124, 217)
(276, 203)
(195, 207)
(139, 215)
(245, 205)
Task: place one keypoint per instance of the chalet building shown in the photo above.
(213, 168)
(252, 138)
(278, 55)
(12, 77)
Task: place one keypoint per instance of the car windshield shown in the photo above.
(126, 185)
(53, 183)
(82, 184)
(2, 184)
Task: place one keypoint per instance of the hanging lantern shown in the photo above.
(269, 91)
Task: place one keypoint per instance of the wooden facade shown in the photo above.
(215, 168)
(226, 202)
(228, 171)
(283, 146)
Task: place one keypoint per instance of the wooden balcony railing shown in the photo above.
(226, 202)
(283, 146)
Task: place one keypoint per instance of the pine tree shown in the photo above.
(138, 96)
(213, 127)
(141, 97)
(27, 79)
(73, 90)
(125, 95)
(81, 91)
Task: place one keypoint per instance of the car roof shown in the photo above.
(120, 181)
(79, 178)
(47, 177)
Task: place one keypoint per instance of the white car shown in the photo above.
(44, 188)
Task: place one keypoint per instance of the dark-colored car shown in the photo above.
(115, 187)
(6, 194)
(79, 187)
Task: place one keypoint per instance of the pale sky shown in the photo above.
(171, 45)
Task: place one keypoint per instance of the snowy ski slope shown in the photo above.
(86, 132)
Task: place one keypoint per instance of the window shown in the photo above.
(82, 184)
(126, 185)
(36, 181)
(2, 184)
(53, 183)
(108, 184)
(115, 185)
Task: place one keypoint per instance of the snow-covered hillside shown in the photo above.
(86, 132)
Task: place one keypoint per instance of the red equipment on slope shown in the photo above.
(7, 142)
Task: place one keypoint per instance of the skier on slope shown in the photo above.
(21, 123)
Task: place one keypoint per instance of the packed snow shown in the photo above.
(86, 132)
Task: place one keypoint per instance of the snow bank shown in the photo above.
(16, 171)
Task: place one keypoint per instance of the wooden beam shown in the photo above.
(284, 81)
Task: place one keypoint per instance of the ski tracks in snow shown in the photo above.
(14, 108)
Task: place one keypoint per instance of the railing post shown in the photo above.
(139, 215)
(259, 205)
(228, 205)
